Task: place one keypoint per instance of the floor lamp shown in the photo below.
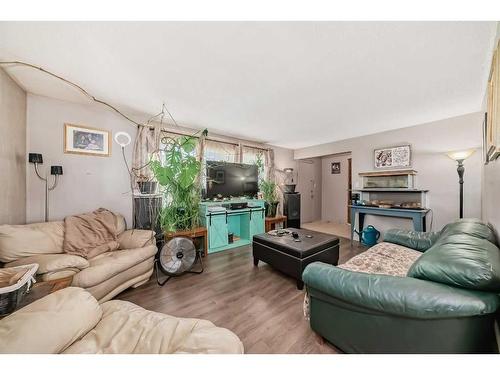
(459, 157)
(55, 170)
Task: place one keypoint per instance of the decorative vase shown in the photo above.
(271, 208)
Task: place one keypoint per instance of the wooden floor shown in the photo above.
(261, 305)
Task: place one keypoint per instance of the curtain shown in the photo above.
(146, 145)
(269, 165)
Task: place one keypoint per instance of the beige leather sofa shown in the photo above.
(104, 276)
(72, 321)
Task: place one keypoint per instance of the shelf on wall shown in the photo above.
(395, 172)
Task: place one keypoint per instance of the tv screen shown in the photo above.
(231, 179)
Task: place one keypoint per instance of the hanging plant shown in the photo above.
(178, 175)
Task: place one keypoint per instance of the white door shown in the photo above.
(309, 187)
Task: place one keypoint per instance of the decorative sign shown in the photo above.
(393, 157)
(336, 167)
(84, 140)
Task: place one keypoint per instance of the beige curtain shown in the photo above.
(146, 146)
(269, 165)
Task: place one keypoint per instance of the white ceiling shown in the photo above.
(292, 84)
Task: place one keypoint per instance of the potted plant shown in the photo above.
(178, 175)
(268, 189)
(146, 185)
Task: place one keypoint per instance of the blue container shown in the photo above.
(369, 236)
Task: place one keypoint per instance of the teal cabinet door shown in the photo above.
(217, 231)
(256, 223)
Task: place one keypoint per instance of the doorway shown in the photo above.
(336, 185)
(309, 187)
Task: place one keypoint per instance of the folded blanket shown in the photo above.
(90, 234)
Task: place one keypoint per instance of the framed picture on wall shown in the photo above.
(493, 118)
(336, 167)
(392, 157)
(85, 140)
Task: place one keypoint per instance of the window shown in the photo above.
(218, 151)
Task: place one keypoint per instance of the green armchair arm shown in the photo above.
(402, 296)
(420, 241)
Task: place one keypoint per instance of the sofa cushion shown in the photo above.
(127, 328)
(462, 260)
(107, 265)
(52, 262)
(17, 241)
(59, 274)
(383, 259)
(472, 227)
(50, 324)
(134, 238)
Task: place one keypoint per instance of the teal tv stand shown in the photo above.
(244, 223)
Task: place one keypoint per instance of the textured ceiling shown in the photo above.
(292, 84)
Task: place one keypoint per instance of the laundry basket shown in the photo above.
(12, 295)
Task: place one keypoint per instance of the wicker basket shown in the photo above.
(12, 295)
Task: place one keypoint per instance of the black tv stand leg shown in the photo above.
(255, 262)
(300, 284)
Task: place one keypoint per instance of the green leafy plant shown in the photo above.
(178, 175)
(269, 191)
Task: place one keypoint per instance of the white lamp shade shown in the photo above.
(460, 155)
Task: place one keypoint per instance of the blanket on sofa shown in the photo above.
(90, 234)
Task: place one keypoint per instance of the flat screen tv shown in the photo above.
(231, 179)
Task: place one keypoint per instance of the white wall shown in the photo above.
(12, 151)
(334, 189)
(436, 171)
(89, 182)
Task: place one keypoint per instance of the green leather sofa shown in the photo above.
(447, 303)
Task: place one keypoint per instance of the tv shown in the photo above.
(231, 180)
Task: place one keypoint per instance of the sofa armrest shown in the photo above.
(402, 296)
(420, 241)
(136, 238)
(52, 262)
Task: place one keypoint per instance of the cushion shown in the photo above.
(111, 263)
(90, 234)
(52, 262)
(50, 324)
(17, 241)
(126, 328)
(131, 239)
(121, 225)
(461, 260)
(383, 259)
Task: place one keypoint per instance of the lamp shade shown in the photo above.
(460, 155)
(56, 170)
(35, 158)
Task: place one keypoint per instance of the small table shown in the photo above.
(41, 289)
(272, 221)
(418, 216)
(200, 232)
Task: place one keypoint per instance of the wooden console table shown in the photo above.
(200, 232)
(418, 216)
(272, 221)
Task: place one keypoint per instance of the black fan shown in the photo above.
(177, 257)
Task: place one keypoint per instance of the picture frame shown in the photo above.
(85, 140)
(485, 139)
(392, 157)
(493, 109)
(336, 167)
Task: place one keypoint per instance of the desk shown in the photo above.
(418, 216)
(200, 232)
(272, 221)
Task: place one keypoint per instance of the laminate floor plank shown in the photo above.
(259, 304)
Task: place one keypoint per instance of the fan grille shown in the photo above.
(177, 256)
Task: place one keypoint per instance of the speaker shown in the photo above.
(291, 209)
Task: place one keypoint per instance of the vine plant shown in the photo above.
(178, 174)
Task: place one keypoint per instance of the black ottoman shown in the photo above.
(291, 257)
